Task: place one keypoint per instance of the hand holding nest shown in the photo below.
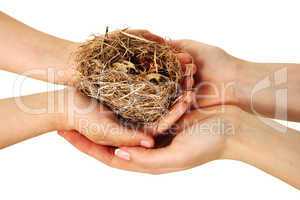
(146, 86)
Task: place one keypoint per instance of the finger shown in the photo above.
(176, 112)
(154, 37)
(147, 35)
(118, 135)
(179, 44)
(132, 137)
(195, 49)
(184, 59)
(185, 45)
(189, 69)
(188, 78)
(153, 160)
(179, 155)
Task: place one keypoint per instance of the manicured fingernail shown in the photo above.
(146, 143)
(122, 154)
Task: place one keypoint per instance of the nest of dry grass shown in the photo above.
(136, 78)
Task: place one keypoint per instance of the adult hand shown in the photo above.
(259, 88)
(184, 101)
(27, 51)
(96, 122)
(64, 110)
(198, 140)
(221, 132)
(216, 72)
(51, 59)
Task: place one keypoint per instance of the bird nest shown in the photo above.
(136, 78)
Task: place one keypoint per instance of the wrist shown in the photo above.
(245, 79)
(65, 69)
(239, 122)
(248, 141)
(60, 114)
(70, 105)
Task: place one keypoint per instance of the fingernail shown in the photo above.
(122, 154)
(61, 132)
(146, 143)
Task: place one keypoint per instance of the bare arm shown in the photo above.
(268, 146)
(30, 116)
(24, 49)
(217, 133)
(24, 118)
(269, 89)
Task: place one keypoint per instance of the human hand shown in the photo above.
(218, 132)
(40, 55)
(96, 122)
(184, 101)
(197, 141)
(254, 87)
(64, 110)
(77, 140)
(216, 72)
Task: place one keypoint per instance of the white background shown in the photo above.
(48, 167)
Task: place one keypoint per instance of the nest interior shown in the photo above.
(136, 78)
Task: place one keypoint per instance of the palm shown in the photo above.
(200, 138)
(192, 146)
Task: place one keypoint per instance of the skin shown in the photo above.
(64, 110)
(261, 143)
(244, 138)
(24, 49)
(247, 139)
(224, 79)
(32, 53)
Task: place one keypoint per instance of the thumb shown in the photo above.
(175, 113)
(159, 160)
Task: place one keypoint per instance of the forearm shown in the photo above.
(272, 148)
(24, 49)
(26, 117)
(269, 89)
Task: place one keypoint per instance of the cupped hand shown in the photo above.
(203, 136)
(96, 122)
(186, 97)
(215, 78)
(177, 110)
(184, 101)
